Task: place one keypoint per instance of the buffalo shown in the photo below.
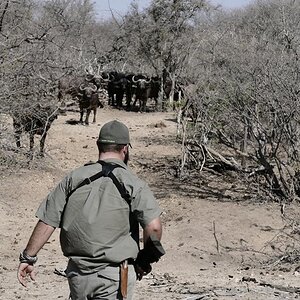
(35, 120)
(143, 90)
(117, 87)
(84, 90)
(155, 87)
(88, 99)
(69, 85)
(99, 79)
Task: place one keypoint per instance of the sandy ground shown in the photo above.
(220, 243)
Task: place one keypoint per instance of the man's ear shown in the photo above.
(125, 149)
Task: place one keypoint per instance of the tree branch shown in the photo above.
(3, 14)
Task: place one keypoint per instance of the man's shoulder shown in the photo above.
(122, 171)
(89, 163)
(85, 170)
(129, 177)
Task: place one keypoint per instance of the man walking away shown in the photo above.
(99, 208)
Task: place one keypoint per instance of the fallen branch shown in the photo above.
(217, 155)
(197, 297)
(282, 288)
(288, 289)
(215, 236)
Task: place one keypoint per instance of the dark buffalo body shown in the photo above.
(143, 90)
(88, 99)
(118, 86)
(155, 87)
(84, 90)
(34, 120)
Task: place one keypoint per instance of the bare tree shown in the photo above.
(160, 37)
(40, 42)
(251, 91)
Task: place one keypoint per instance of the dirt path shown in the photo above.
(216, 248)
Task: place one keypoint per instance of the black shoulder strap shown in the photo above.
(107, 169)
(85, 182)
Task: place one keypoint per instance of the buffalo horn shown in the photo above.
(105, 79)
(134, 80)
(81, 87)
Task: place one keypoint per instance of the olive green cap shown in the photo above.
(114, 132)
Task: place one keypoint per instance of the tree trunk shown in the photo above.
(244, 145)
(171, 97)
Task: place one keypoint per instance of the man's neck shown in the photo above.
(110, 155)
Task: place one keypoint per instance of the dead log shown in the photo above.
(230, 163)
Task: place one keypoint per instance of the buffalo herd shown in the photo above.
(123, 91)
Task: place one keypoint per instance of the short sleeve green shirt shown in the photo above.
(95, 227)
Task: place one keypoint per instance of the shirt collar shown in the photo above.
(115, 161)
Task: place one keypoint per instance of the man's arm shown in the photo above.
(39, 237)
(155, 228)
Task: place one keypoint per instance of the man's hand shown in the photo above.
(23, 270)
(28, 257)
(141, 272)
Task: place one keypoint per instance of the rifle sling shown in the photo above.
(107, 169)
